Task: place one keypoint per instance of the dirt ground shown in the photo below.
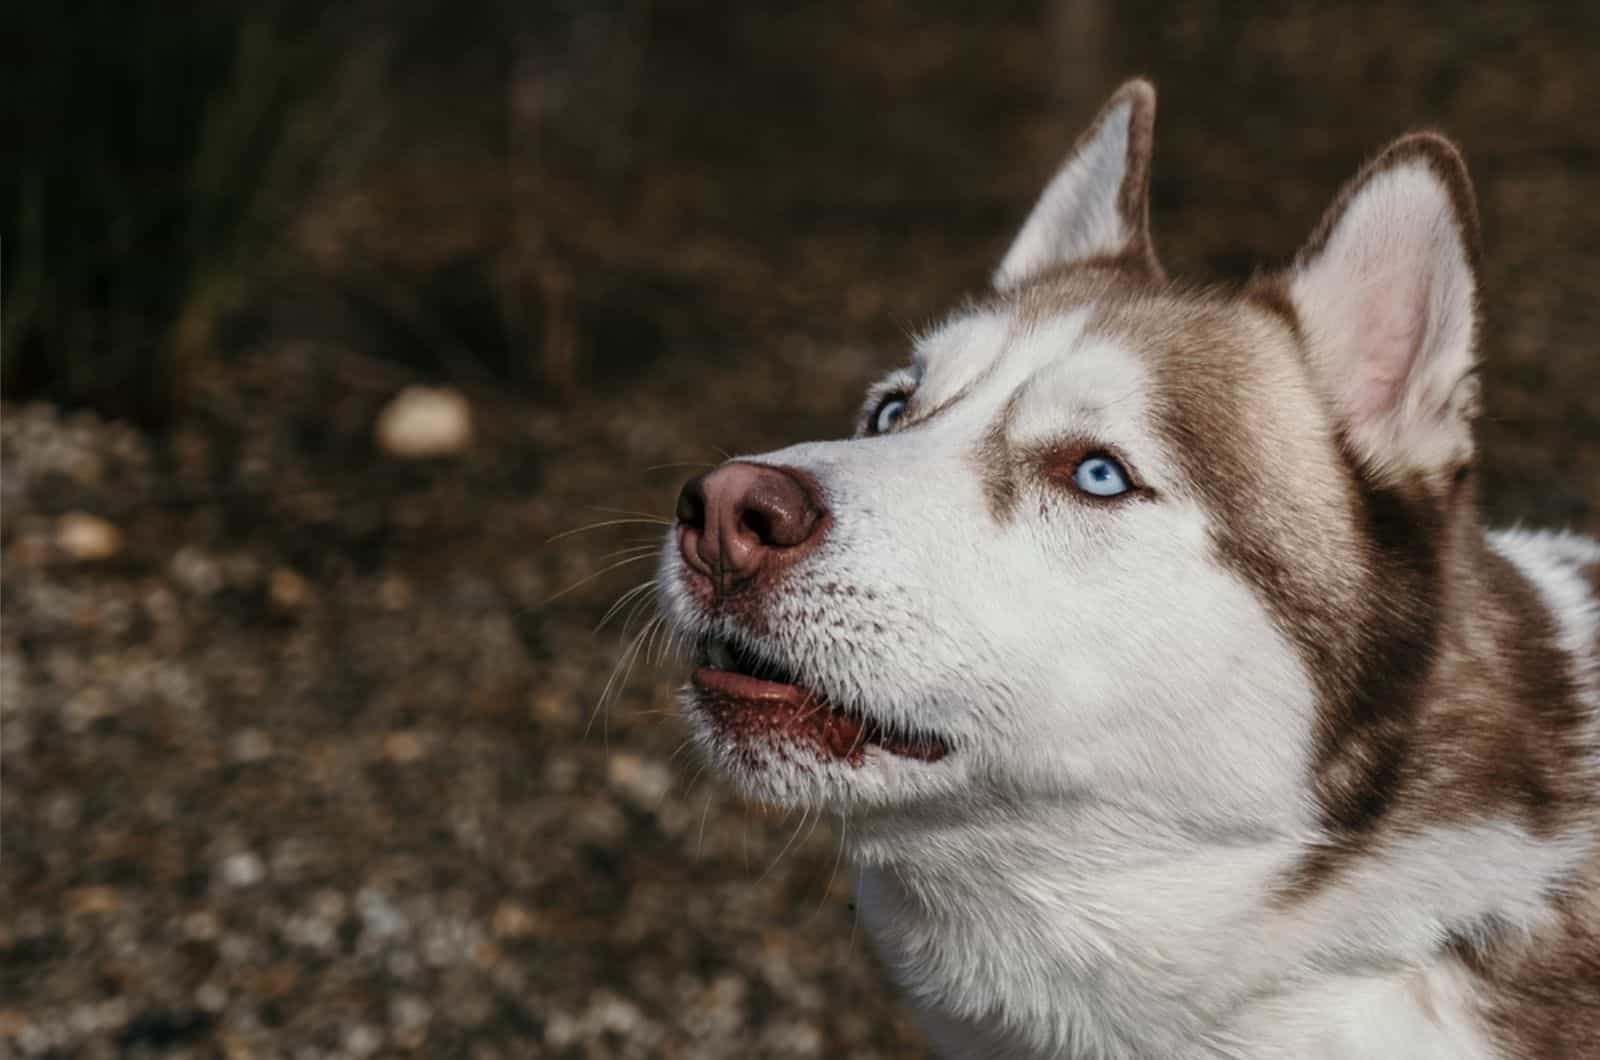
(310, 765)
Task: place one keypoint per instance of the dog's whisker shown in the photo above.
(805, 814)
(679, 464)
(622, 601)
(855, 911)
(580, 583)
(649, 645)
(640, 606)
(700, 838)
(838, 856)
(670, 647)
(651, 521)
(659, 520)
(631, 550)
(602, 705)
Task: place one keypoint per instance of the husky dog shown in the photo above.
(1147, 641)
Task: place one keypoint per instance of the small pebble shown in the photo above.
(250, 745)
(93, 901)
(196, 571)
(395, 593)
(287, 590)
(211, 997)
(87, 538)
(64, 810)
(202, 926)
(404, 747)
(409, 1011)
(424, 422)
(646, 782)
(243, 869)
(513, 921)
(362, 1040)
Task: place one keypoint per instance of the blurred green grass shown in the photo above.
(182, 176)
(156, 166)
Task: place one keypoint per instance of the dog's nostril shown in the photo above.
(758, 522)
(692, 503)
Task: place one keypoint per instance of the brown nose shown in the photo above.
(731, 520)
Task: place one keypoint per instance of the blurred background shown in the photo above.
(328, 332)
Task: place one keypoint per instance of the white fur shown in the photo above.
(1096, 932)
(1425, 1013)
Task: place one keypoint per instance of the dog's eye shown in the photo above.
(888, 414)
(1100, 476)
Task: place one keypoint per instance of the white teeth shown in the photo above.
(719, 654)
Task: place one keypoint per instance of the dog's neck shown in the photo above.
(1091, 929)
(1065, 936)
(1087, 928)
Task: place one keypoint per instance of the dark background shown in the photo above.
(302, 765)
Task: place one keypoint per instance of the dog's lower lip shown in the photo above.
(750, 708)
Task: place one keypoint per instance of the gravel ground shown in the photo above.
(303, 750)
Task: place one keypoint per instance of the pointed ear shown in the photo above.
(1386, 294)
(1098, 203)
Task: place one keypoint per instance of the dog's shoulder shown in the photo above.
(1541, 994)
(1563, 570)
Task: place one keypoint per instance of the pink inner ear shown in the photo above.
(1386, 298)
(1394, 317)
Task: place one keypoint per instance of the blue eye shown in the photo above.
(1100, 476)
(888, 414)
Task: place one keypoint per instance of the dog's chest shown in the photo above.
(1090, 991)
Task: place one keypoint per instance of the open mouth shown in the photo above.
(757, 700)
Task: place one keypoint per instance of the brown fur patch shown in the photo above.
(1099, 282)
(1443, 695)
(1540, 996)
(996, 467)
(1133, 197)
(1271, 292)
(1349, 571)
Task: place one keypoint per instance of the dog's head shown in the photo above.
(1106, 536)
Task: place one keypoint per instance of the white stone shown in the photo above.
(362, 1040)
(211, 997)
(87, 538)
(250, 745)
(424, 422)
(646, 782)
(409, 1011)
(243, 869)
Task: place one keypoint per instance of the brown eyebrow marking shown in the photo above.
(923, 417)
(995, 464)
